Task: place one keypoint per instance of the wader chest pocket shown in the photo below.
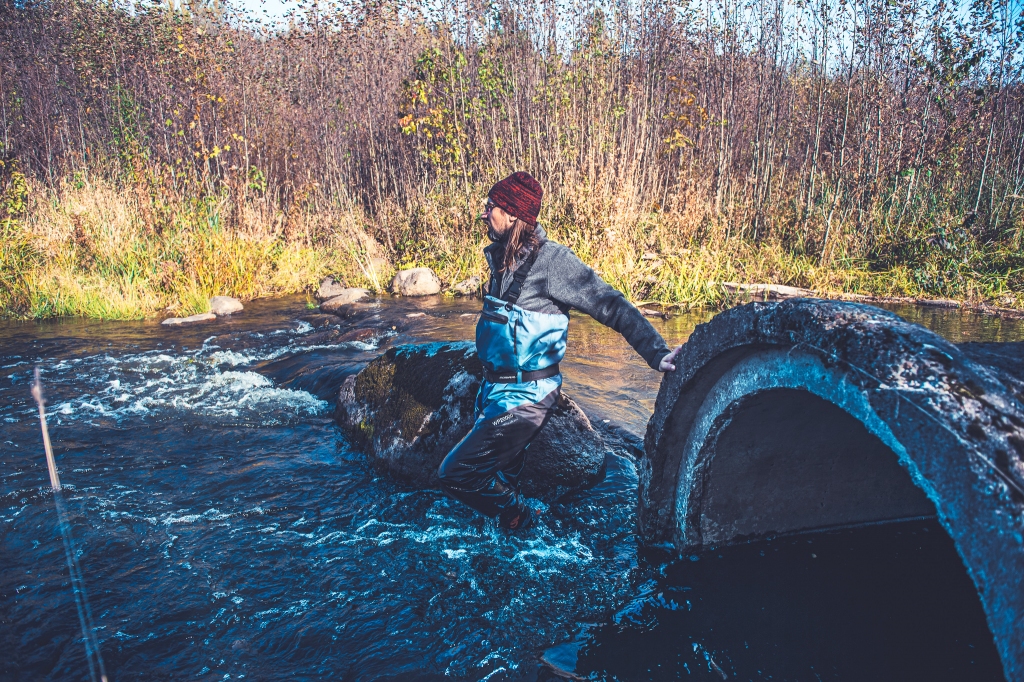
(495, 317)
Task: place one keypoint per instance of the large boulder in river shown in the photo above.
(416, 282)
(409, 407)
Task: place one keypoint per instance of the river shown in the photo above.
(226, 529)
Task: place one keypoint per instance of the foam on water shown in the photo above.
(209, 382)
(469, 600)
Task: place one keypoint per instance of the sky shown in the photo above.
(272, 10)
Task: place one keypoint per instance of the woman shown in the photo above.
(520, 339)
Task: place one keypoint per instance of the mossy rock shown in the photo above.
(409, 407)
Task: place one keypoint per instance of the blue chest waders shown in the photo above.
(520, 350)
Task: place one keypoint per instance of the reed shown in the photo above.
(156, 154)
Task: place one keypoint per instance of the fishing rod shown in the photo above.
(92, 646)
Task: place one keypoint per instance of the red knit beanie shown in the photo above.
(518, 195)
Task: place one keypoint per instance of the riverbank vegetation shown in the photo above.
(156, 154)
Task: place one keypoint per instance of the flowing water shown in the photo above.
(226, 529)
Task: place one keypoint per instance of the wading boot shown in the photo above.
(516, 519)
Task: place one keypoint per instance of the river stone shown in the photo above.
(345, 297)
(467, 287)
(409, 407)
(320, 320)
(416, 282)
(225, 305)
(191, 319)
(329, 288)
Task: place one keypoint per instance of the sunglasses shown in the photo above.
(489, 206)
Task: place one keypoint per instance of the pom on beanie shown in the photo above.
(518, 195)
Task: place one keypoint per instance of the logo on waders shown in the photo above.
(504, 420)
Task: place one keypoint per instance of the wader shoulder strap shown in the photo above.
(519, 277)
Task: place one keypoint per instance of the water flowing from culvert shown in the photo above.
(225, 528)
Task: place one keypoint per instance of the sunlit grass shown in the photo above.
(91, 250)
(55, 292)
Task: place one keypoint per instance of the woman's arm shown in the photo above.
(571, 282)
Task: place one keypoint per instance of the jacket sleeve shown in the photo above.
(573, 283)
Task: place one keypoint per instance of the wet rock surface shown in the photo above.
(1005, 358)
(951, 418)
(343, 297)
(410, 406)
(190, 320)
(321, 320)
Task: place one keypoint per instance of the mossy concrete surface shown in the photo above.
(810, 414)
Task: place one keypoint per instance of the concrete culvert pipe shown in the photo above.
(808, 415)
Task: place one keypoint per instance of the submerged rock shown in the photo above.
(225, 305)
(409, 407)
(320, 320)
(346, 297)
(191, 319)
(416, 282)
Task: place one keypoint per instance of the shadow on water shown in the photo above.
(888, 602)
(226, 529)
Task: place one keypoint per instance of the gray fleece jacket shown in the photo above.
(559, 281)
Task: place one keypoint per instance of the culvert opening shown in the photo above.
(949, 414)
(785, 460)
(812, 555)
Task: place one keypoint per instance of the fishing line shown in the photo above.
(92, 646)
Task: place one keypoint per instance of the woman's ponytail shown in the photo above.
(522, 240)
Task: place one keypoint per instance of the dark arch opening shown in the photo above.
(950, 415)
(810, 549)
(786, 460)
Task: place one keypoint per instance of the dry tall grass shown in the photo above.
(89, 250)
(156, 154)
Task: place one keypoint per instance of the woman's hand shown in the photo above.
(666, 362)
